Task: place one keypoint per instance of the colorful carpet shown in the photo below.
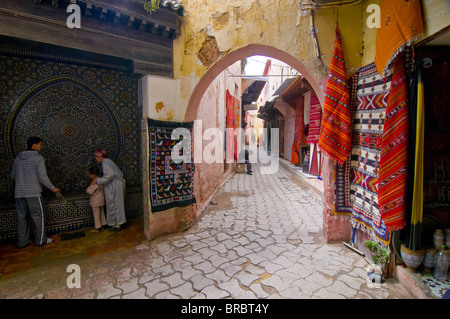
(393, 173)
(171, 180)
(336, 128)
(437, 288)
(314, 120)
(368, 123)
(401, 24)
(299, 133)
(342, 204)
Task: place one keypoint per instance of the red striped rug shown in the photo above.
(335, 131)
(314, 120)
(394, 151)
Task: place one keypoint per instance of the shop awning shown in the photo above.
(252, 93)
(292, 88)
(284, 86)
(267, 111)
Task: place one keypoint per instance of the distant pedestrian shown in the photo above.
(247, 161)
(114, 187)
(29, 174)
(97, 200)
(244, 156)
(246, 150)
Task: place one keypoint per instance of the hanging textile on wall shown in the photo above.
(393, 174)
(237, 123)
(342, 204)
(294, 153)
(401, 24)
(230, 109)
(372, 93)
(299, 136)
(171, 181)
(229, 102)
(314, 120)
(237, 113)
(335, 131)
(314, 161)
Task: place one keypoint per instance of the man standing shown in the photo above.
(114, 187)
(29, 174)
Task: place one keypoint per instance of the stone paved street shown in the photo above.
(262, 239)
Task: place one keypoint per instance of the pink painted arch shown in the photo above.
(237, 55)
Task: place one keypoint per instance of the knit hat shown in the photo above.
(101, 153)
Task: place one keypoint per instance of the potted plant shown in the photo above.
(380, 257)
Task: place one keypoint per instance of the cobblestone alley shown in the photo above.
(262, 239)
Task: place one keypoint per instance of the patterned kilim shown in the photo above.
(372, 92)
(393, 175)
(343, 205)
(401, 24)
(314, 120)
(171, 180)
(335, 131)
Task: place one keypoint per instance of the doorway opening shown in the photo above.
(277, 96)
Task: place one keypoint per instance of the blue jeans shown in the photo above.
(25, 208)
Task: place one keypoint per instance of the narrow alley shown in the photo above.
(261, 237)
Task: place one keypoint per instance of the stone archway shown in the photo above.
(334, 229)
(239, 54)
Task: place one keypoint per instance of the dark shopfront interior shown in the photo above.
(433, 56)
(436, 185)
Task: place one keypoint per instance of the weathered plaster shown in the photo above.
(160, 99)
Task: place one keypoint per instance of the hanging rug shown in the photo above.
(171, 179)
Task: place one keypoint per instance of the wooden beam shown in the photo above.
(153, 57)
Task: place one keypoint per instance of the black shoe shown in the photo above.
(114, 228)
(26, 245)
(250, 173)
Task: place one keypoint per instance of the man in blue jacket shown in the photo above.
(29, 174)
